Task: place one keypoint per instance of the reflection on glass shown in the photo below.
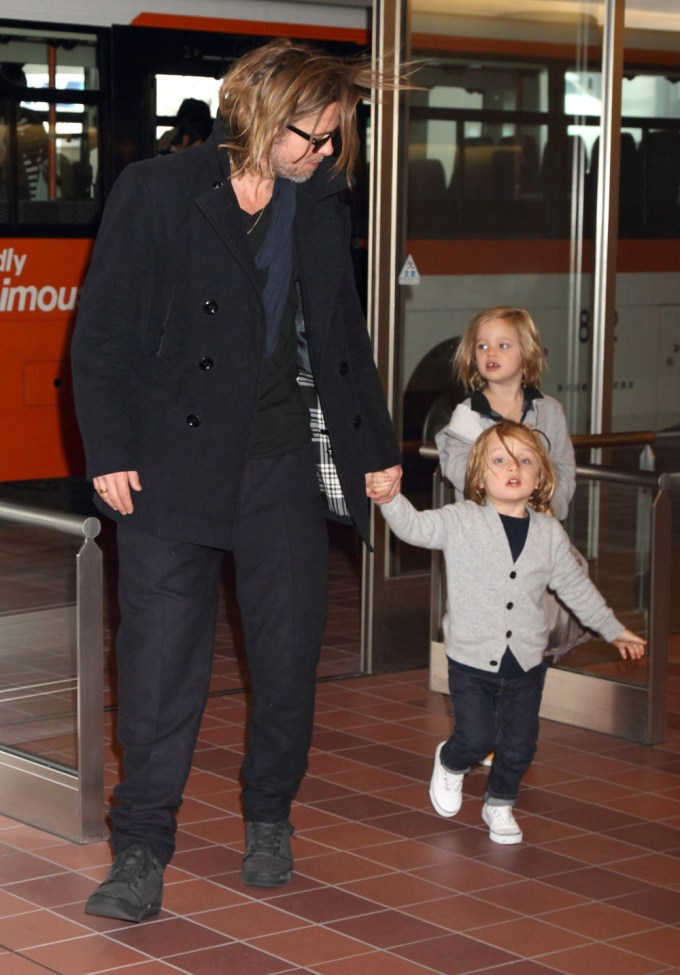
(646, 373)
(498, 202)
(38, 672)
(611, 525)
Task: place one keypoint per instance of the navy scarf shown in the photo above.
(276, 256)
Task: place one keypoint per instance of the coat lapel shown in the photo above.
(320, 239)
(219, 205)
(319, 233)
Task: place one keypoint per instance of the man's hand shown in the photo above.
(115, 489)
(383, 486)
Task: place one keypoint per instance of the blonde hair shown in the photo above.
(533, 358)
(284, 81)
(533, 440)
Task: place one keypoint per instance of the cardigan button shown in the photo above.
(493, 663)
(508, 634)
(509, 605)
(193, 420)
(343, 368)
(356, 422)
(513, 574)
(210, 307)
(206, 363)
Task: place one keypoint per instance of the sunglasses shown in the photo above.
(315, 141)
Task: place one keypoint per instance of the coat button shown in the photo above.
(210, 307)
(508, 634)
(218, 182)
(513, 574)
(509, 605)
(206, 363)
(356, 422)
(344, 369)
(193, 420)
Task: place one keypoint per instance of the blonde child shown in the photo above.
(500, 360)
(501, 552)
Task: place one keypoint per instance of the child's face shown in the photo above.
(512, 473)
(498, 355)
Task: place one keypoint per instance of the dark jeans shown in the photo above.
(168, 594)
(494, 714)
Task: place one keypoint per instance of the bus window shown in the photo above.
(477, 135)
(49, 124)
(171, 92)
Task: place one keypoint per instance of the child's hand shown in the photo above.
(383, 486)
(630, 643)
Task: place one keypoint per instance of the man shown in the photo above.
(217, 277)
(193, 126)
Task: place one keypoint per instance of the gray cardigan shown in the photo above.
(545, 414)
(493, 602)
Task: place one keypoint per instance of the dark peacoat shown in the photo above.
(169, 336)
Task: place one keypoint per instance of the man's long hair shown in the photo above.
(282, 82)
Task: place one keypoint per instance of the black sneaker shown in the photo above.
(268, 861)
(133, 888)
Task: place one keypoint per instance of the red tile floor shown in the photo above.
(382, 885)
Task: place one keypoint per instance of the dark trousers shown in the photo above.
(168, 594)
(496, 714)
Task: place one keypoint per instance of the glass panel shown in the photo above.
(620, 566)
(646, 375)
(499, 205)
(38, 672)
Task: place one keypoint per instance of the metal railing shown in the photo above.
(54, 782)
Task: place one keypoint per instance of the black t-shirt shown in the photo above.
(516, 532)
(281, 421)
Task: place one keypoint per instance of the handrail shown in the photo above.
(429, 453)
(632, 438)
(46, 794)
(70, 524)
(662, 480)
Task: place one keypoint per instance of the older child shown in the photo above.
(501, 552)
(500, 360)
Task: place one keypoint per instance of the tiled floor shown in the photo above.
(382, 886)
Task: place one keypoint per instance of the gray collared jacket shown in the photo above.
(493, 602)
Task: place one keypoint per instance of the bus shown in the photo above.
(79, 100)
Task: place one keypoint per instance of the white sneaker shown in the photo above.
(446, 787)
(502, 824)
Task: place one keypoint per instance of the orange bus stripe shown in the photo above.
(259, 27)
(455, 257)
(538, 49)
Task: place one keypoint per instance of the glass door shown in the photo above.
(500, 150)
